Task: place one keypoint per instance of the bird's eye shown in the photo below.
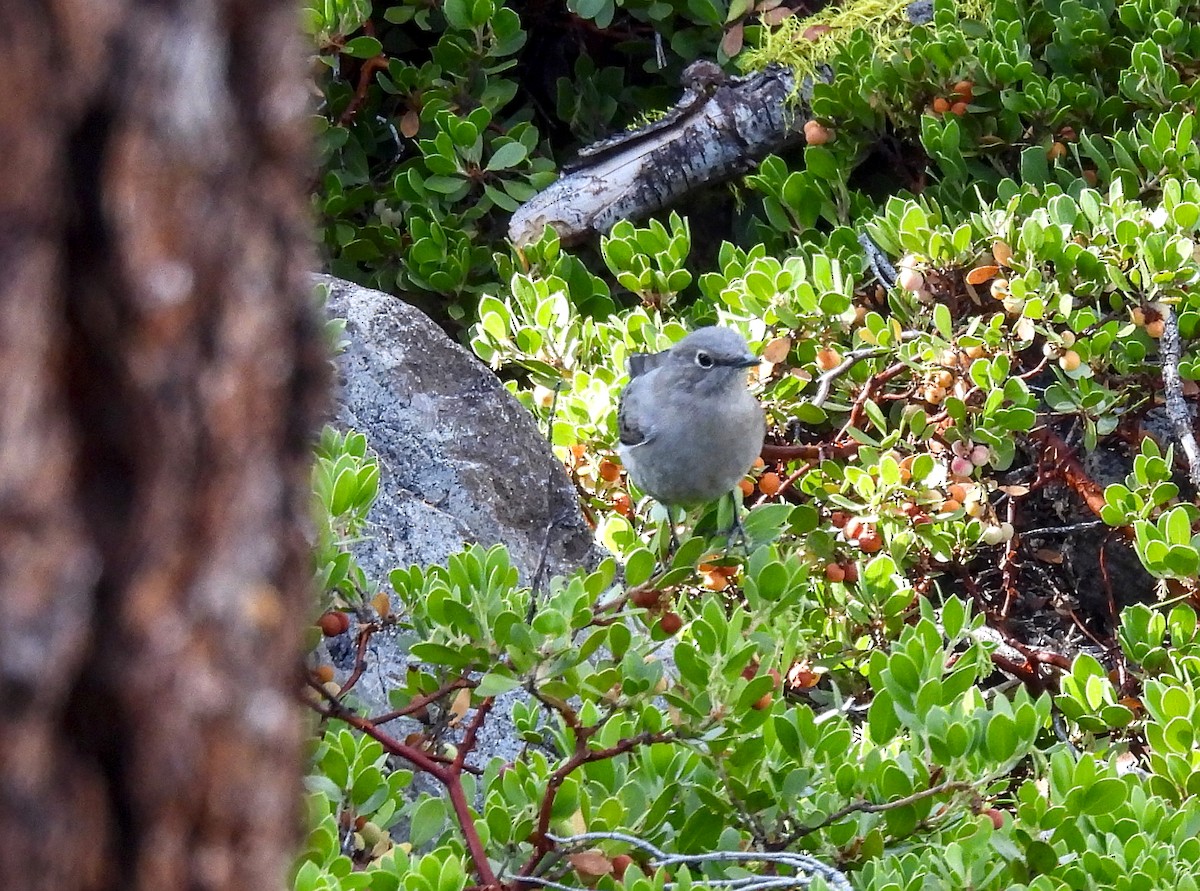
(704, 360)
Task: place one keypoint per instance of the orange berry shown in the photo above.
(839, 518)
(950, 505)
(1138, 316)
(851, 572)
(940, 105)
(957, 491)
(759, 463)
(1057, 150)
(622, 504)
(834, 572)
(323, 674)
(856, 528)
(620, 863)
(747, 488)
(578, 451)
(828, 359)
(870, 542)
(816, 133)
(996, 817)
(763, 701)
(769, 483)
(1090, 177)
(609, 472)
(715, 581)
(1069, 361)
(646, 598)
(334, 623)
(1155, 329)
(670, 623)
(958, 108)
(965, 89)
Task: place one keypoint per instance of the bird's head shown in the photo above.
(712, 358)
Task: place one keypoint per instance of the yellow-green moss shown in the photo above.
(884, 20)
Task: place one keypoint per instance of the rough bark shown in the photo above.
(160, 373)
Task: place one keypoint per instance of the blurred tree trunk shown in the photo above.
(161, 370)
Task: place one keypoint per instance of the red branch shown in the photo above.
(369, 67)
(581, 756)
(449, 775)
(423, 701)
(873, 384)
(1067, 468)
(360, 658)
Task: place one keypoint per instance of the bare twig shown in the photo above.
(423, 701)
(542, 841)
(884, 271)
(865, 807)
(360, 658)
(1177, 409)
(800, 862)
(852, 358)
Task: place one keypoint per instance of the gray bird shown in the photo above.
(689, 428)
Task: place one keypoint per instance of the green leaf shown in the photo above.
(428, 821)
(458, 14)
(363, 47)
(508, 155)
(639, 567)
(942, 321)
(1105, 796)
(493, 684)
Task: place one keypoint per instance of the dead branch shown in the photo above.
(719, 129)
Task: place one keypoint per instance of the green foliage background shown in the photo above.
(1047, 226)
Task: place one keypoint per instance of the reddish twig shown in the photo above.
(873, 383)
(360, 657)
(775, 452)
(369, 67)
(423, 701)
(448, 775)
(581, 756)
(1065, 466)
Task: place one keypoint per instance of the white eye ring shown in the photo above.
(703, 359)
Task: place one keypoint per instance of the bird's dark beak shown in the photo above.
(747, 361)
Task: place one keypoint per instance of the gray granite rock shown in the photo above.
(461, 461)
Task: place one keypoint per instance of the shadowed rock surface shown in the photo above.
(461, 460)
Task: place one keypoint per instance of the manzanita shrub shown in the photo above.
(958, 647)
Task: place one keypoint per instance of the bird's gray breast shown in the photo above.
(701, 441)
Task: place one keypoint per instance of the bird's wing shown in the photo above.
(632, 422)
